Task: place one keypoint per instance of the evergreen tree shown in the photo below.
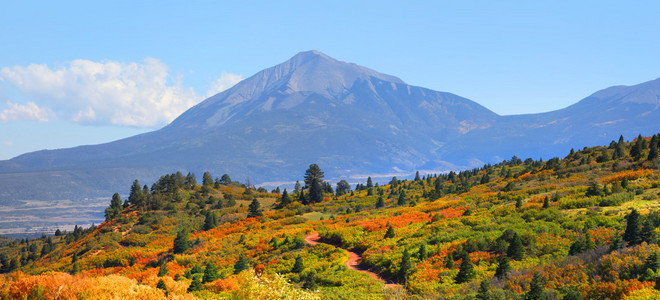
(515, 250)
(241, 264)
(390, 232)
(637, 148)
(466, 271)
(422, 253)
(313, 181)
(652, 262)
(647, 233)
(225, 179)
(449, 261)
(483, 292)
(161, 285)
(343, 187)
(115, 207)
(417, 178)
(484, 179)
(546, 202)
(402, 198)
(370, 183)
(380, 203)
(210, 220)
(181, 242)
(503, 267)
(624, 183)
(631, 234)
(310, 281)
(535, 288)
(255, 209)
(136, 197)
(285, 200)
(518, 202)
(572, 294)
(653, 148)
(210, 273)
(298, 266)
(163, 269)
(405, 266)
(195, 285)
(207, 179)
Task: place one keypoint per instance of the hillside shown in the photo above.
(581, 227)
(313, 108)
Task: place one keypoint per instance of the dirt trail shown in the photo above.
(353, 261)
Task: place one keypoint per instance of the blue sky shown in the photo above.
(86, 72)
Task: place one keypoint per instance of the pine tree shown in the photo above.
(422, 254)
(631, 234)
(181, 242)
(163, 269)
(136, 197)
(518, 202)
(503, 267)
(195, 285)
(449, 261)
(380, 203)
(255, 209)
(483, 293)
(298, 266)
(546, 202)
(535, 288)
(405, 266)
(115, 207)
(516, 250)
(466, 271)
(370, 183)
(313, 181)
(210, 220)
(653, 148)
(161, 285)
(647, 233)
(210, 273)
(207, 179)
(241, 264)
(484, 179)
(285, 200)
(637, 148)
(417, 178)
(402, 198)
(652, 262)
(390, 232)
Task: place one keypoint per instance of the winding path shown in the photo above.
(353, 261)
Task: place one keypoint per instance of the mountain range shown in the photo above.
(350, 120)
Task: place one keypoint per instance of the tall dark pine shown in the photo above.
(466, 271)
(241, 264)
(181, 242)
(535, 288)
(285, 200)
(255, 209)
(136, 197)
(405, 266)
(380, 202)
(516, 250)
(370, 183)
(114, 209)
(653, 149)
(207, 179)
(313, 181)
(631, 234)
(503, 267)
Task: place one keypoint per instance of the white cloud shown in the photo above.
(27, 112)
(83, 91)
(225, 81)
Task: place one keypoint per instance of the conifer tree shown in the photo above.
(161, 285)
(181, 242)
(210, 273)
(449, 261)
(653, 148)
(518, 202)
(631, 234)
(405, 266)
(503, 267)
(313, 181)
(390, 232)
(298, 266)
(210, 220)
(163, 270)
(417, 178)
(195, 285)
(380, 203)
(422, 253)
(285, 200)
(535, 288)
(652, 262)
(136, 197)
(241, 264)
(370, 183)
(546, 202)
(402, 198)
(637, 148)
(207, 179)
(647, 233)
(115, 207)
(515, 250)
(255, 209)
(466, 271)
(483, 293)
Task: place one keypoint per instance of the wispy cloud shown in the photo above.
(224, 82)
(104, 93)
(27, 112)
